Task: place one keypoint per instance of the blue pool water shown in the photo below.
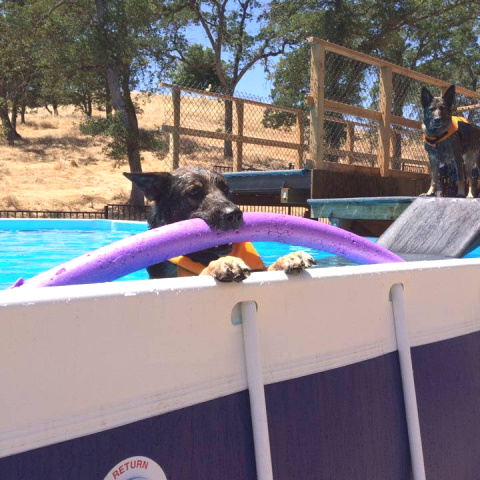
(26, 252)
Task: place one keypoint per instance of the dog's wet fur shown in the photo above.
(462, 148)
(194, 192)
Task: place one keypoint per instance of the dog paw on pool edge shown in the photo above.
(293, 262)
(227, 269)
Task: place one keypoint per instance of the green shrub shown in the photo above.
(114, 128)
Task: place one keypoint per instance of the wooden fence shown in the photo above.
(235, 132)
(383, 120)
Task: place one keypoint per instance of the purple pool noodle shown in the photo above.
(157, 245)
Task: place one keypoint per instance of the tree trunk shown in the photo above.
(117, 77)
(108, 109)
(108, 102)
(14, 115)
(8, 131)
(87, 105)
(90, 107)
(22, 113)
(129, 117)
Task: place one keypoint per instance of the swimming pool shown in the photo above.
(104, 368)
(29, 247)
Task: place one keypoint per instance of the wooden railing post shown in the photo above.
(238, 162)
(350, 142)
(301, 139)
(176, 96)
(317, 92)
(384, 124)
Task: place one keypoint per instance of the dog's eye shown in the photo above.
(194, 192)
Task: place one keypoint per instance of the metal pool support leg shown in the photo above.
(408, 383)
(261, 439)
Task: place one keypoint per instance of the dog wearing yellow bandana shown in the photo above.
(447, 139)
(194, 192)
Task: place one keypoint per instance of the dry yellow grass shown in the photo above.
(56, 167)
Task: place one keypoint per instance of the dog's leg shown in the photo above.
(461, 175)
(470, 164)
(293, 262)
(227, 269)
(434, 170)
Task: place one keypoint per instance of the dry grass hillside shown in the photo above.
(56, 167)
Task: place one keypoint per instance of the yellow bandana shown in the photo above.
(452, 128)
(186, 267)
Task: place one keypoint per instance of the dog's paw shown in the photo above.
(293, 262)
(227, 269)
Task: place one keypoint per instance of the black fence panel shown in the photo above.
(50, 214)
(127, 212)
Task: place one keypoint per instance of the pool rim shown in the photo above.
(84, 224)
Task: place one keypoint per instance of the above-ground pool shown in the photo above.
(29, 247)
(361, 372)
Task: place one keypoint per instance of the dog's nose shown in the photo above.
(232, 217)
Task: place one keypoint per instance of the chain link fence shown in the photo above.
(356, 86)
(352, 139)
(214, 130)
(227, 133)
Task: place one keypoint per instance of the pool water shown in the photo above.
(26, 253)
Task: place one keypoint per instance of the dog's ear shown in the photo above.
(153, 185)
(426, 97)
(449, 95)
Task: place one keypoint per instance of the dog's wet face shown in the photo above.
(189, 193)
(437, 111)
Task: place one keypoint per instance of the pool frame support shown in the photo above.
(408, 382)
(256, 391)
(256, 387)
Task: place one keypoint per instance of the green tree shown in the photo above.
(238, 32)
(18, 62)
(57, 51)
(402, 32)
(197, 68)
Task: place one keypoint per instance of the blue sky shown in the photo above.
(255, 83)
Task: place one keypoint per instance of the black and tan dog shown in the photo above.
(200, 193)
(449, 139)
